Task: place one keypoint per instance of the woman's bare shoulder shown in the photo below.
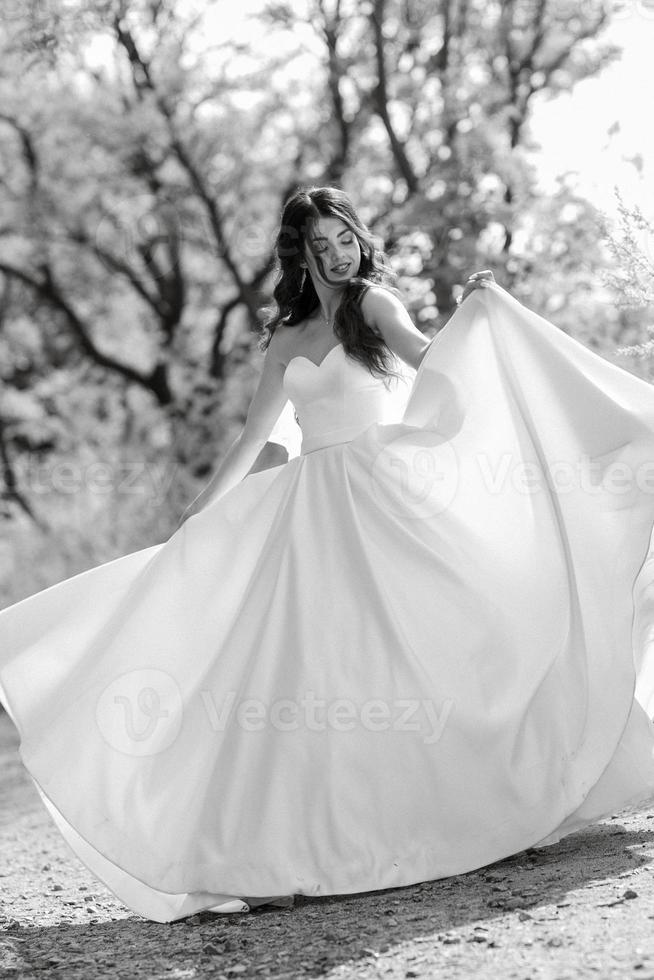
(379, 297)
(286, 339)
(277, 347)
(377, 303)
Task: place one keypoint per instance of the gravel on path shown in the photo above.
(580, 908)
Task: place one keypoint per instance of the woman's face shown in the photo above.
(332, 253)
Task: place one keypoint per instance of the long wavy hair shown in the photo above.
(294, 295)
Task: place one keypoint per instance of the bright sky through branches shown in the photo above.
(605, 122)
(601, 131)
(595, 131)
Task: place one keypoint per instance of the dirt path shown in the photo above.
(582, 908)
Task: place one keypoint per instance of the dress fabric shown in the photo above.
(419, 646)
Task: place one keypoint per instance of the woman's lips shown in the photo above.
(340, 269)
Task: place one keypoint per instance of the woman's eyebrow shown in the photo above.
(322, 238)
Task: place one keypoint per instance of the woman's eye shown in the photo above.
(319, 249)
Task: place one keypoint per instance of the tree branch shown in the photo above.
(46, 287)
(381, 98)
(28, 148)
(217, 360)
(11, 490)
(80, 236)
(330, 29)
(143, 80)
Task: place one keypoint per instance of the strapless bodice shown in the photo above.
(339, 398)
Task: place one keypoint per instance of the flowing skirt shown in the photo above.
(383, 662)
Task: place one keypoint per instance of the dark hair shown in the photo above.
(294, 295)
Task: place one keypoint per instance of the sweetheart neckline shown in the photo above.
(301, 357)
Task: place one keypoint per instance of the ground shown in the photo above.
(581, 908)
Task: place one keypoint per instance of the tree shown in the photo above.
(429, 106)
(140, 240)
(141, 199)
(631, 281)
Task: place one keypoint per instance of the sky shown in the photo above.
(606, 120)
(594, 131)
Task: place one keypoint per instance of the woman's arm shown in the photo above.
(383, 311)
(265, 408)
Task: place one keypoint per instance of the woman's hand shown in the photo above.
(478, 280)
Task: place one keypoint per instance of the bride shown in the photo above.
(333, 290)
(419, 646)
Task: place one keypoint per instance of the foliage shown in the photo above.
(632, 275)
(146, 162)
(630, 278)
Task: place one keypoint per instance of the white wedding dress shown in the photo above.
(419, 646)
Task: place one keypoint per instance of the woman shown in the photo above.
(332, 286)
(419, 646)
